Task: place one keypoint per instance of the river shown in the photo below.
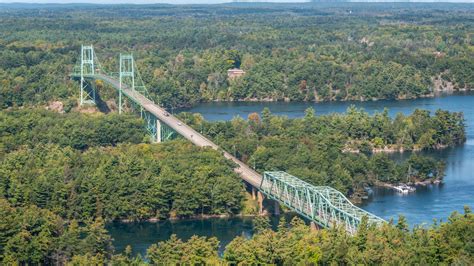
(426, 204)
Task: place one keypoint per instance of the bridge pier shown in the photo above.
(158, 131)
(277, 208)
(313, 226)
(254, 196)
(260, 198)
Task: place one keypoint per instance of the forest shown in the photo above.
(82, 166)
(31, 235)
(304, 52)
(30, 127)
(339, 150)
(64, 175)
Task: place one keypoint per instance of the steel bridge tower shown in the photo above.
(87, 74)
(129, 77)
(126, 75)
(127, 83)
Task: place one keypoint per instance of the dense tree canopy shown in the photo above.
(312, 52)
(337, 149)
(126, 182)
(30, 235)
(30, 127)
(445, 243)
(63, 175)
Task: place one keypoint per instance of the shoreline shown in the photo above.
(357, 201)
(362, 199)
(434, 94)
(397, 149)
(431, 181)
(190, 218)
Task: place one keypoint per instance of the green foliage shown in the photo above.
(318, 53)
(338, 149)
(65, 166)
(195, 251)
(261, 223)
(30, 127)
(124, 182)
(447, 243)
(30, 235)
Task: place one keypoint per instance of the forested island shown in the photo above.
(83, 166)
(303, 52)
(321, 149)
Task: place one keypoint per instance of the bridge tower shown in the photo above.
(129, 84)
(126, 75)
(129, 77)
(87, 75)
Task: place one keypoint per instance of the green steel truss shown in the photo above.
(323, 205)
(157, 130)
(89, 70)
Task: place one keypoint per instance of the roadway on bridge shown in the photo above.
(245, 172)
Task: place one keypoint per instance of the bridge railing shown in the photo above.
(321, 204)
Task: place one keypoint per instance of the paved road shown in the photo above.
(245, 172)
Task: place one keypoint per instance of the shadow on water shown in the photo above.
(140, 235)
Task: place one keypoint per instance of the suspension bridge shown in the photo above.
(324, 206)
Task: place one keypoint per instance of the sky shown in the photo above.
(186, 1)
(140, 1)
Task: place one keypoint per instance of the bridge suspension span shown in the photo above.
(323, 205)
(127, 82)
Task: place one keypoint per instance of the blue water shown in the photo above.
(428, 203)
(140, 235)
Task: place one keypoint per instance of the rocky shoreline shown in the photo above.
(193, 217)
(436, 92)
(393, 149)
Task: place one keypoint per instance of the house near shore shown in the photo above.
(235, 73)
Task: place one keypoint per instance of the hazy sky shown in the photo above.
(185, 1)
(139, 1)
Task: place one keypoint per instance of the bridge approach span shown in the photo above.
(245, 172)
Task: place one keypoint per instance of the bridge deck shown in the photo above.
(245, 172)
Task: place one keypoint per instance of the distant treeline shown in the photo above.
(298, 52)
